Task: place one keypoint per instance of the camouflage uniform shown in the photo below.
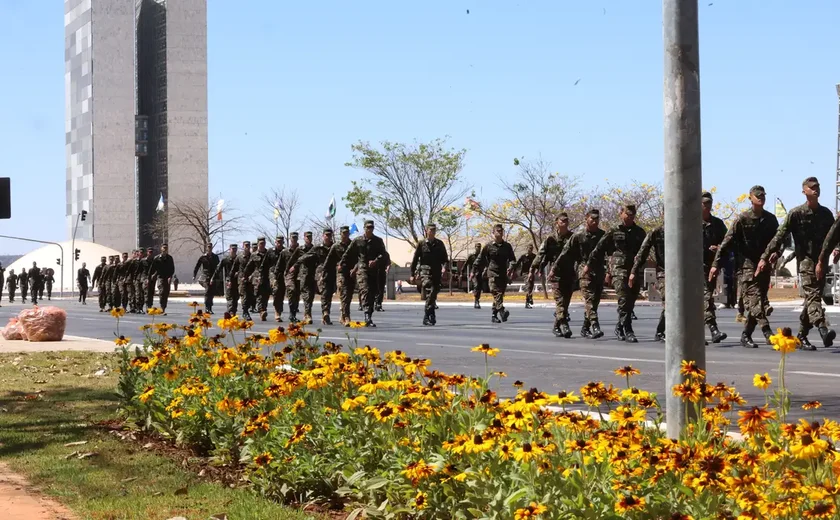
(381, 284)
(288, 258)
(34, 284)
(479, 282)
(244, 287)
(561, 276)
(306, 279)
(207, 264)
(622, 243)
(312, 275)
(149, 279)
(750, 234)
(23, 284)
(11, 283)
(655, 240)
(577, 250)
(256, 271)
(163, 268)
(98, 272)
(361, 251)
(278, 283)
(114, 296)
(327, 280)
(523, 266)
(225, 271)
(345, 283)
(429, 258)
(714, 230)
(496, 257)
(126, 287)
(815, 235)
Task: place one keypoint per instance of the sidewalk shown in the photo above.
(68, 343)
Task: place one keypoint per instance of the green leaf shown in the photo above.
(516, 496)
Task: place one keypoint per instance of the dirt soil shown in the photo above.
(19, 501)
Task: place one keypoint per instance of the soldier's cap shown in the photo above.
(595, 212)
(293, 234)
(308, 234)
(328, 231)
(810, 182)
(706, 197)
(630, 209)
(368, 223)
(344, 229)
(103, 258)
(431, 226)
(246, 243)
(260, 239)
(279, 237)
(478, 244)
(234, 246)
(757, 191)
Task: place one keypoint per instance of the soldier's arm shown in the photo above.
(727, 244)
(444, 257)
(350, 257)
(779, 239)
(543, 253)
(602, 248)
(832, 239)
(643, 254)
(197, 266)
(416, 258)
(480, 262)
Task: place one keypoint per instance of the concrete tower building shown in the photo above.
(136, 117)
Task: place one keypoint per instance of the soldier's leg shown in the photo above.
(434, 291)
(241, 291)
(232, 298)
(499, 299)
(33, 293)
(619, 281)
(813, 313)
(149, 285)
(164, 293)
(12, 295)
(327, 290)
(49, 291)
(277, 297)
(208, 296)
(586, 294)
(307, 292)
(529, 292)
(103, 298)
(753, 307)
(660, 327)
(496, 303)
(710, 311)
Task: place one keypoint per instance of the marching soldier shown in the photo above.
(367, 254)
(207, 263)
(126, 287)
(430, 257)
(497, 257)
(150, 278)
(82, 277)
(278, 283)
(163, 268)
(49, 280)
(714, 231)
(23, 284)
(751, 234)
(655, 240)
(245, 289)
(11, 283)
(561, 276)
(327, 281)
(311, 269)
(621, 243)
(523, 267)
(225, 271)
(98, 274)
(815, 235)
(105, 283)
(34, 282)
(469, 266)
(578, 250)
(345, 283)
(287, 260)
(131, 282)
(256, 271)
(114, 282)
(141, 269)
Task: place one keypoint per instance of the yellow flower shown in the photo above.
(485, 348)
(357, 324)
(417, 471)
(122, 341)
(629, 503)
(193, 304)
(147, 393)
(263, 459)
(627, 371)
(762, 381)
(783, 341)
(690, 369)
(118, 312)
(352, 404)
(532, 511)
(144, 363)
(420, 501)
(625, 415)
(812, 405)
(808, 447)
(564, 397)
(154, 311)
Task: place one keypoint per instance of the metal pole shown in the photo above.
(683, 186)
(72, 257)
(61, 290)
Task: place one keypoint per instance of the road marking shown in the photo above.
(360, 340)
(557, 354)
(812, 373)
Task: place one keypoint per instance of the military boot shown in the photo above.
(505, 314)
(432, 317)
(767, 331)
(747, 341)
(325, 320)
(804, 344)
(426, 320)
(564, 328)
(495, 318)
(768, 311)
(629, 335)
(369, 320)
(585, 330)
(476, 305)
(307, 319)
(378, 308)
(246, 316)
(619, 331)
(596, 331)
(633, 315)
(277, 317)
(827, 336)
(263, 316)
(717, 335)
(293, 317)
(660, 329)
(556, 329)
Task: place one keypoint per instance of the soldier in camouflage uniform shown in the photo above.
(523, 267)
(125, 286)
(225, 272)
(98, 271)
(497, 257)
(23, 284)
(477, 282)
(326, 274)
(815, 236)
(577, 251)
(345, 282)
(655, 240)
(207, 264)
(305, 274)
(288, 258)
(622, 243)
(561, 276)
(713, 232)
(429, 258)
(364, 257)
(149, 280)
(381, 282)
(310, 266)
(751, 233)
(245, 289)
(114, 283)
(256, 271)
(278, 283)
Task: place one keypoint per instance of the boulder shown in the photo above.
(43, 323)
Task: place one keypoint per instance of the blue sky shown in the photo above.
(293, 84)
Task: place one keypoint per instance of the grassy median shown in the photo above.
(54, 413)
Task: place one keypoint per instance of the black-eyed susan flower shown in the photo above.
(534, 510)
(263, 459)
(762, 381)
(629, 503)
(812, 405)
(118, 312)
(122, 341)
(627, 371)
(690, 369)
(417, 471)
(821, 510)
(420, 500)
(148, 392)
(784, 341)
(486, 349)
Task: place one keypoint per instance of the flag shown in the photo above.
(276, 210)
(781, 211)
(472, 204)
(354, 229)
(219, 206)
(331, 211)
(160, 203)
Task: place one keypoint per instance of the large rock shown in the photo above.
(43, 323)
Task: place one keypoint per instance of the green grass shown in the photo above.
(50, 399)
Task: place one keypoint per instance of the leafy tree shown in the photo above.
(407, 186)
(648, 198)
(452, 224)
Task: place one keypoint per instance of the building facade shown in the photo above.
(136, 118)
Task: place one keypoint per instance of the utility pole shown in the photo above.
(683, 186)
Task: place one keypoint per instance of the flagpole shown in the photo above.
(222, 228)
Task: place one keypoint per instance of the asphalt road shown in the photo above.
(529, 352)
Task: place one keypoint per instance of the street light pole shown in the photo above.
(683, 187)
(73, 256)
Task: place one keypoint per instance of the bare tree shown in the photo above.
(278, 213)
(195, 222)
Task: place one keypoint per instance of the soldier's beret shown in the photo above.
(706, 196)
(328, 231)
(261, 239)
(345, 228)
(368, 223)
(757, 191)
(293, 234)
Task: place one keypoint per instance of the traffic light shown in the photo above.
(58, 261)
(77, 253)
(84, 215)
